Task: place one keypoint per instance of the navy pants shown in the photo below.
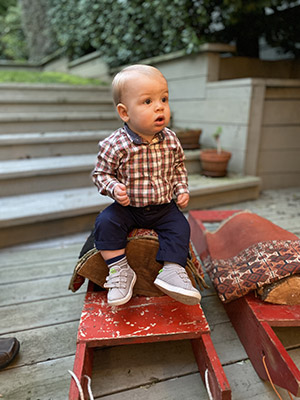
(115, 222)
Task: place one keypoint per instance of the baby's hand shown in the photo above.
(120, 194)
(183, 200)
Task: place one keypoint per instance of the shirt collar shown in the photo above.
(137, 139)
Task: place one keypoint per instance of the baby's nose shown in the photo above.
(159, 105)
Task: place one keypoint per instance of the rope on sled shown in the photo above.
(270, 379)
(80, 387)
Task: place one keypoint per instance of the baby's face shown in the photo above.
(146, 99)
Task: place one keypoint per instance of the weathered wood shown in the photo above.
(47, 329)
(280, 137)
(279, 161)
(46, 380)
(38, 289)
(40, 313)
(289, 336)
(23, 258)
(281, 112)
(279, 180)
(188, 387)
(285, 291)
(41, 270)
(45, 343)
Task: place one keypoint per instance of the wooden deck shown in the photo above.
(37, 308)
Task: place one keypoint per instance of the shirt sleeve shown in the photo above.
(180, 182)
(104, 173)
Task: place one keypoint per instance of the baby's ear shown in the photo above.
(122, 111)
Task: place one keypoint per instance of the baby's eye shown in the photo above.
(148, 101)
(164, 99)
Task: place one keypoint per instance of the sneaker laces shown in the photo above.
(117, 278)
(184, 276)
(181, 272)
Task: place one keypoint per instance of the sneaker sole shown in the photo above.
(182, 295)
(125, 299)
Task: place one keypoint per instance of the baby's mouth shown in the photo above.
(160, 119)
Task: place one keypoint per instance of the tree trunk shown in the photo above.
(37, 28)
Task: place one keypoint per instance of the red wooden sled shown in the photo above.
(143, 320)
(253, 319)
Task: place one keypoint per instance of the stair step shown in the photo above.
(44, 174)
(27, 218)
(50, 144)
(57, 121)
(35, 175)
(25, 93)
(41, 207)
(50, 107)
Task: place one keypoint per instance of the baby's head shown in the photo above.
(125, 80)
(141, 96)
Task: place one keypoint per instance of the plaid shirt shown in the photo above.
(152, 172)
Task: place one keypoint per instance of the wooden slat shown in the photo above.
(279, 161)
(283, 93)
(47, 329)
(280, 137)
(40, 313)
(23, 258)
(280, 180)
(37, 289)
(35, 272)
(281, 112)
(45, 343)
(187, 387)
(47, 380)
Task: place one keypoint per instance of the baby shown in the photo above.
(141, 166)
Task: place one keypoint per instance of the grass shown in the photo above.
(9, 76)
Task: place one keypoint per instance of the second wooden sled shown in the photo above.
(144, 320)
(253, 319)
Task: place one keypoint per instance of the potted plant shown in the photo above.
(214, 161)
(189, 138)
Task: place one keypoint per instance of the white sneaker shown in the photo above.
(120, 283)
(174, 281)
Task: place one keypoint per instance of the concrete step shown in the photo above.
(49, 144)
(26, 93)
(45, 174)
(54, 98)
(48, 106)
(32, 217)
(57, 121)
(36, 175)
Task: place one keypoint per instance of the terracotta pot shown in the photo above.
(214, 163)
(189, 138)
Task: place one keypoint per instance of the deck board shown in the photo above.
(37, 308)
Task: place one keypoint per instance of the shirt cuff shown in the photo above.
(181, 188)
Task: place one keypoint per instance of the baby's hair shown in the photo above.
(120, 79)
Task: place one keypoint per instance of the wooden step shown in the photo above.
(49, 144)
(57, 121)
(32, 217)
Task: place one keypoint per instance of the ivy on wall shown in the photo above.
(126, 31)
